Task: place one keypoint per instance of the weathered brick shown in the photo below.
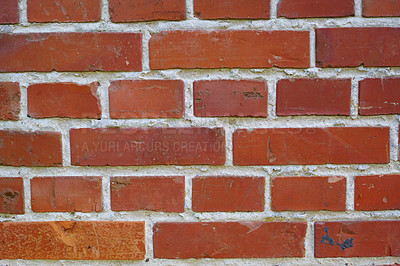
(9, 12)
(145, 10)
(315, 8)
(308, 193)
(357, 239)
(381, 8)
(19, 148)
(67, 194)
(12, 195)
(378, 192)
(72, 240)
(147, 146)
(10, 97)
(352, 47)
(229, 240)
(230, 98)
(64, 10)
(379, 96)
(232, 9)
(166, 194)
(313, 97)
(89, 51)
(228, 194)
(230, 49)
(147, 99)
(336, 145)
(63, 100)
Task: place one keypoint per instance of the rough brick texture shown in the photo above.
(375, 193)
(308, 193)
(147, 146)
(64, 10)
(352, 47)
(63, 100)
(379, 96)
(9, 12)
(279, 146)
(232, 9)
(228, 194)
(12, 195)
(64, 240)
(166, 194)
(213, 98)
(146, 99)
(315, 8)
(66, 194)
(381, 8)
(10, 96)
(19, 148)
(229, 240)
(71, 52)
(357, 239)
(313, 97)
(210, 49)
(145, 10)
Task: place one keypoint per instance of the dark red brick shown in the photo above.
(313, 97)
(375, 193)
(147, 99)
(228, 194)
(336, 145)
(72, 240)
(230, 49)
(89, 51)
(10, 97)
(12, 195)
(20, 148)
(63, 100)
(315, 8)
(158, 193)
(352, 47)
(232, 9)
(308, 193)
(381, 8)
(147, 146)
(9, 12)
(229, 240)
(67, 194)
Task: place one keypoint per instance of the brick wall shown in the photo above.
(233, 131)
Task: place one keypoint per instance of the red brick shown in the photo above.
(145, 10)
(147, 99)
(308, 193)
(232, 9)
(230, 49)
(230, 98)
(67, 194)
(229, 240)
(9, 12)
(147, 146)
(20, 148)
(375, 193)
(10, 97)
(379, 96)
(64, 10)
(72, 240)
(63, 100)
(368, 238)
(12, 195)
(315, 8)
(89, 51)
(313, 97)
(381, 8)
(352, 47)
(336, 145)
(228, 194)
(166, 194)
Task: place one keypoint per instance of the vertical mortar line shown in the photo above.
(23, 87)
(312, 47)
(27, 193)
(106, 185)
(272, 84)
(188, 191)
(309, 241)
(267, 191)
(350, 181)
(188, 101)
(394, 140)
(23, 12)
(105, 15)
(189, 9)
(358, 8)
(102, 92)
(149, 224)
(229, 130)
(66, 147)
(354, 97)
(274, 8)
(146, 51)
